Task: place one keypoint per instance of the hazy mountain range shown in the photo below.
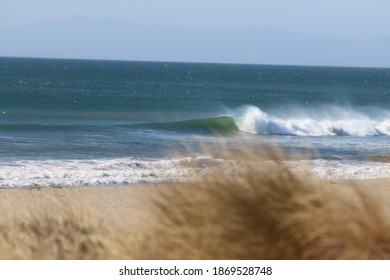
(82, 37)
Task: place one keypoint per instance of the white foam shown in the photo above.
(128, 171)
(328, 121)
(123, 171)
(343, 170)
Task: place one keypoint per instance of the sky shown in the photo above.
(356, 24)
(340, 18)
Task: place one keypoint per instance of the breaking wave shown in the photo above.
(339, 122)
(331, 121)
(325, 121)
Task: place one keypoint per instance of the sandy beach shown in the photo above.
(112, 204)
(111, 201)
(132, 203)
(107, 201)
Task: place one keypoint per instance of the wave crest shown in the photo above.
(251, 119)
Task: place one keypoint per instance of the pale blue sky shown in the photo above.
(341, 18)
(299, 32)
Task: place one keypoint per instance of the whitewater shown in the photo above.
(328, 121)
(130, 171)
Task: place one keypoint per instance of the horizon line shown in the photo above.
(189, 62)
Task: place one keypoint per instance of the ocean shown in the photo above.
(80, 122)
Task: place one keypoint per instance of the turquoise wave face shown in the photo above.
(214, 125)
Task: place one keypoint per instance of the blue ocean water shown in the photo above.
(80, 122)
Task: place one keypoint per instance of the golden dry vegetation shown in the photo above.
(257, 212)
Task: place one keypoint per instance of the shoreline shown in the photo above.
(140, 172)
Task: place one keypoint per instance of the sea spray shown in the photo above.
(252, 119)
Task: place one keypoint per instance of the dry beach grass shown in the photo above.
(256, 213)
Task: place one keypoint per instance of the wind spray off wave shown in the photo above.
(335, 121)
